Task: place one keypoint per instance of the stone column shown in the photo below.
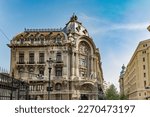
(92, 66)
(72, 67)
(77, 64)
(65, 61)
(95, 66)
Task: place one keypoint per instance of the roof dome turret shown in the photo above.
(74, 26)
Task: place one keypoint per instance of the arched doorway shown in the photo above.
(84, 97)
(86, 91)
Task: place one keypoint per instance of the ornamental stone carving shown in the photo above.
(83, 48)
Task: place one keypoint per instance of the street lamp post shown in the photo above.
(49, 88)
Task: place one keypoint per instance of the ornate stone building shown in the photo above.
(76, 68)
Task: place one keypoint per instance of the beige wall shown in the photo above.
(137, 74)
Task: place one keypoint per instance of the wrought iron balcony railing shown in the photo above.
(20, 62)
(31, 62)
(41, 62)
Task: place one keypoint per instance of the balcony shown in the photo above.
(58, 78)
(41, 62)
(37, 92)
(59, 62)
(21, 62)
(31, 62)
(62, 92)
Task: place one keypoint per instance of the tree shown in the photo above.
(123, 97)
(112, 93)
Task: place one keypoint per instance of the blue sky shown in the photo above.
(116, 26)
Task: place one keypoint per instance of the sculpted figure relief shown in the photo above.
(83, 48)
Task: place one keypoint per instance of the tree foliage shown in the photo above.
(123, 97)
(112, 93)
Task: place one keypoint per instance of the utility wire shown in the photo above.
(4, 34)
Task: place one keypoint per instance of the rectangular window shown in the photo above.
(143, 59)
(143, 66)
(58, 71)
(41, 58)
(144, 74)
(21, 57)
(58, 57)
(144, 52)
(31, 58)
(144, 83)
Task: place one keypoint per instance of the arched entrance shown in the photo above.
(86, 91)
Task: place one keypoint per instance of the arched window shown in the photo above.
(84, 59)
(58, 86)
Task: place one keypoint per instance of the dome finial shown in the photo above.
(74, 18)
(123, 69)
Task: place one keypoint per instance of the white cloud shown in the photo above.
(100, 25)
(85, 17)
(123, 26)
(133, 26)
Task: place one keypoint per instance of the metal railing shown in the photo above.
(16, 89)
(42, 30)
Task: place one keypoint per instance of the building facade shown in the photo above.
(76, 71)
(135, 79)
